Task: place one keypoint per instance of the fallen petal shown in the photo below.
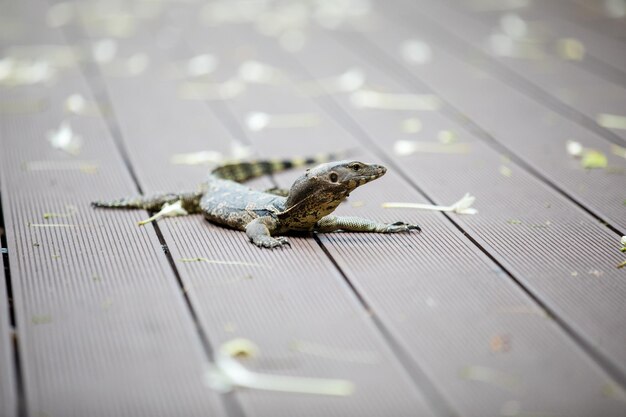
(227, 373)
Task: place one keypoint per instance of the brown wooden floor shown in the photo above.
(519, 310)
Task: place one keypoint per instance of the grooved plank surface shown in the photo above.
(515, 311)
(571, 86)
(529, 131)
(552, 27)
(280, 299)
(8, 390)
(102, 327)
(601, 16)
(419, 289)
(519, 212)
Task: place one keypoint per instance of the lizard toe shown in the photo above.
(270, 242)
(415, 227)
(402, 227)
(399, 227)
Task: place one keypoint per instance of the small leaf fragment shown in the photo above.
(614, 391)
(594, 159)
(41, 319)
(611, 121)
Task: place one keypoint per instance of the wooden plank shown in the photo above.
(600, 16)
(478, 94)
(561, 40)
(561, 276)
(8, 375)
(103, 329)
(461, 304)
(550, 25)
(8, 389)
(567, 89)
(280, 299)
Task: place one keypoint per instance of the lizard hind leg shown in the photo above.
(154, 202)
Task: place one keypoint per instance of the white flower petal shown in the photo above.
(464, 202)
(404, 147)
(239, 151)
(228, 373)
(574, 148)
(168, 210)
(463, 206)
(201, 65)
(65, 139)
(196, 158)
(466, 211)
(257, 121)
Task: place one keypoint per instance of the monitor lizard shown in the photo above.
(267, 215)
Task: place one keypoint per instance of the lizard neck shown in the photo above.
(304, 214)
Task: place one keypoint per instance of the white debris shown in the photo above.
(65, 139)
(416, 52)
(168, 210)
(227, 373)
(463, 206)
(574, 148)
(201, 65)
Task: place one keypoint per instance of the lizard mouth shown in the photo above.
(375, 172)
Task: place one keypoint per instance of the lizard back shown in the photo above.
(235, 205)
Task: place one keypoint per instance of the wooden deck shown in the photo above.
(518, 310)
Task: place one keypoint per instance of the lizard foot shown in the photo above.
(270, 242)
(398, 227)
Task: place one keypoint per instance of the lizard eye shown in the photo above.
(356, 167)
(333, 177)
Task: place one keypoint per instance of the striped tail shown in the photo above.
(244, 171)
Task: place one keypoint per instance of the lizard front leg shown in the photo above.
(259, 231)
(359, 224)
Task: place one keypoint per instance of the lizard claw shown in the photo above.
(402, 227)
(271, 242)
(415, 227)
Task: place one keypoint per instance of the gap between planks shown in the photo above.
(16, 377)
(455, 115)
(93, 76)
(346, 121)
(124, 154)
(332, 108)
(523, 85)
(601, 359)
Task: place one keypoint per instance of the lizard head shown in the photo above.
(319, 191)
